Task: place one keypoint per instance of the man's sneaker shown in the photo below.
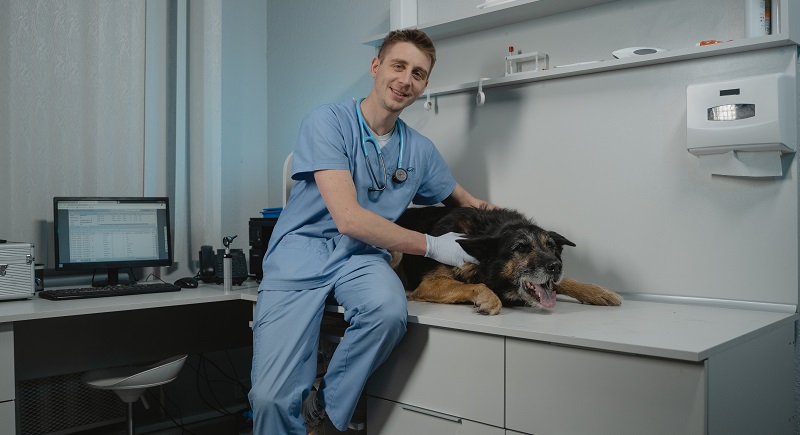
(314, 414)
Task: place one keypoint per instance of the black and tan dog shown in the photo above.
(519, 262)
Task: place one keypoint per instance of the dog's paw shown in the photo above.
(596, 295)
(397, 256)
(488, 303)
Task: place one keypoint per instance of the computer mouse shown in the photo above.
(188, 282)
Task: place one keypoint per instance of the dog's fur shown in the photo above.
(519, 262)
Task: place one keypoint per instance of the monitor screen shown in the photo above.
(111, 233)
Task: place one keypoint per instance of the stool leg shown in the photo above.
(130, 418)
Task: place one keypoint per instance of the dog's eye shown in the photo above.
(522, 248)
(551, 244)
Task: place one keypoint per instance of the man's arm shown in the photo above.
(339, 193)
(461, 198)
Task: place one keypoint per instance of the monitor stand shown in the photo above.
(113, 278)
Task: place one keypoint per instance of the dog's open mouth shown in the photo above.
(543, 293)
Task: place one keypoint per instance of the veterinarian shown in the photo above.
(333, 236)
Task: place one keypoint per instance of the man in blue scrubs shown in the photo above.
(333, 236)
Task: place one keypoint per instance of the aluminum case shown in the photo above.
(16, 270)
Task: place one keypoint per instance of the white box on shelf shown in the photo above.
(526, 62)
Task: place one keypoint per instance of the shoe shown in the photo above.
(314, 414)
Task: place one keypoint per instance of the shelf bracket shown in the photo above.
(481, 97)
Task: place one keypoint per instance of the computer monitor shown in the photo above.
(94, 233)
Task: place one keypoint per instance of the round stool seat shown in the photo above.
(129, 383)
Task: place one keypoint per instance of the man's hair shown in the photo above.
(414, 36)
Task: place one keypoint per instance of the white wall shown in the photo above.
(71, 109)
(314, 57)
(600, 158)
(94, 105)
(244, 123)
(226, 123)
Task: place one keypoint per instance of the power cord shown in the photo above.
(166, 411)
(201, 374)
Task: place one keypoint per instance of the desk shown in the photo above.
(618, 369)
(40, 337)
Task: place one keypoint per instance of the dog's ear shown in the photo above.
(560, 240)
(480, 247)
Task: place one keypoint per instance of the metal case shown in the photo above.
(16, 270)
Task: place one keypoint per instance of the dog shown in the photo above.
(519, 263)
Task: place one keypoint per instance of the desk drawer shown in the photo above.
(452, 372)
(7, 385)
(389, 418)
(556, 390)
(8, 418)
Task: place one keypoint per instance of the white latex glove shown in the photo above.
(445, 249)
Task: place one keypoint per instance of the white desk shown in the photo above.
(40, 337)
(38, 308)
(711, 370)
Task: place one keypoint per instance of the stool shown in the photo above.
(130, 383)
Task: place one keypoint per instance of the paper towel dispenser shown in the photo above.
(752, 114)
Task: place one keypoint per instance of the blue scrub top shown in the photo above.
(306, 249)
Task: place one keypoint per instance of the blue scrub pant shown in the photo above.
(286, 336)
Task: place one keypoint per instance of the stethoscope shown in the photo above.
(400, 175)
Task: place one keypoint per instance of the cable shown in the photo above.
(200, 394)
(166, 411)
(153, 275)
(235, 379)
(211, 390)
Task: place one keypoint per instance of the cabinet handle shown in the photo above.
(424, 411)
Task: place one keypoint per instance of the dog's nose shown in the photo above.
(554, 267)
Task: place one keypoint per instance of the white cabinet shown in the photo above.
(8, 417)
(7, 384)
(556, 389)
(390, 418)
(447, 371)
(642, 368)
(495, 16)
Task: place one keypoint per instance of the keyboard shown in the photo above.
(101, 292)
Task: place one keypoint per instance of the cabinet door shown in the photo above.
(389, 418)
(6, 362)
(8, 419)
(453, 372)
(560, 390)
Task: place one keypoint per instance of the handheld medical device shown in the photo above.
(400, 175)
(227, 277)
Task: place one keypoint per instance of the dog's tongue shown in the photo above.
(547, 297)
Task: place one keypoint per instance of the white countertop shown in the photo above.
(666, 330)
(39, 308)
(685, 332)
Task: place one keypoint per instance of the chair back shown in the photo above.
(288, 182)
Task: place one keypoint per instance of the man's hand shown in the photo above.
(445, 249)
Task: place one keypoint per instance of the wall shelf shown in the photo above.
(751, 44)
(496, 16)
(525, 10)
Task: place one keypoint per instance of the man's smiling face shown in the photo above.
(401, 76)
